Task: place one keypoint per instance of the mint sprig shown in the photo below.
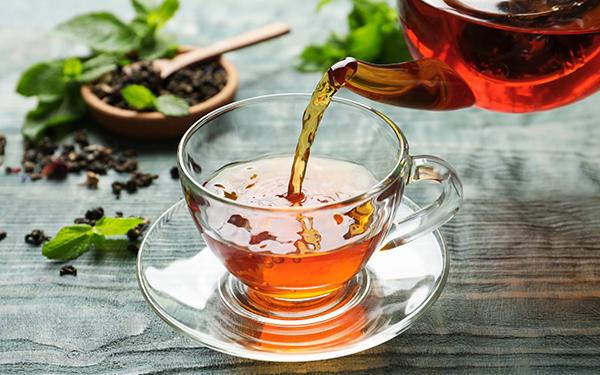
(73, 240)
(140, 98)
(374, 35)
(112, 42)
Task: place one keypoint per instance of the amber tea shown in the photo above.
(315, 254)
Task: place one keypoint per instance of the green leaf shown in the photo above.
(53, 112)
(142, 7)
(141, 28)
(171, 105)
(111, 245)
(374, 35)
(72, 67)
(99, 60)
(396, 54)
(365, 43)
(101, 31)
(70, 242)
(138, 97)
(97, 66)
(44, 78)
(116, 226)
(159, 16)
(163, 46)
(318, 58)
(322, 3)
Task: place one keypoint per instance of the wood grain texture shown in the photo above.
(523, 294)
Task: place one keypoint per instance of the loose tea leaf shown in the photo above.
(194, 84)
(36, 237)
(67, 270)
(172, 105)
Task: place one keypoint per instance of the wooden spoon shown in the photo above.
(248, 38)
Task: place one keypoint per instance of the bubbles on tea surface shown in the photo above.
(264, 182)
(268, 264)
(278, 260)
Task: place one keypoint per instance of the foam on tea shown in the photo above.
(264, 182)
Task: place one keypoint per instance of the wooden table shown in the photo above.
(523, 294)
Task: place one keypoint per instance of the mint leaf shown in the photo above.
(163, 13)
(138, 97)
(101, 31)
(322, 3)
(171, 105)
(72, 67)
(44, 78)
(316, 58)
(365, 42)
(97, 66)
(142, 7)
(52, 112)
(112, 245)
(73, 240)
(116, 226)
(374, 35)
(70, 242)
(162, 46)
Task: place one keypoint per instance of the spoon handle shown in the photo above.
(248, 38)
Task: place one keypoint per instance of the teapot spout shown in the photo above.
(422, 84)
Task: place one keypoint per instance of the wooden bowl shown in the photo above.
(155, 125)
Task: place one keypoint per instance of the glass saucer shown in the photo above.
(191, 290)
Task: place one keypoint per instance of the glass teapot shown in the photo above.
(500, 55)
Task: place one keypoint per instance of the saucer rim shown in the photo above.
(269, 356)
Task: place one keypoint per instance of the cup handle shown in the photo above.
(431, 217)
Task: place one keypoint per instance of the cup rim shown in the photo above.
(379, 186)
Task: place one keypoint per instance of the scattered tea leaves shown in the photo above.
(36, 237)
(194, 84)
(68, 270)
(174, 171)
(2, 148)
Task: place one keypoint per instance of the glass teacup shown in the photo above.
(299, 257)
